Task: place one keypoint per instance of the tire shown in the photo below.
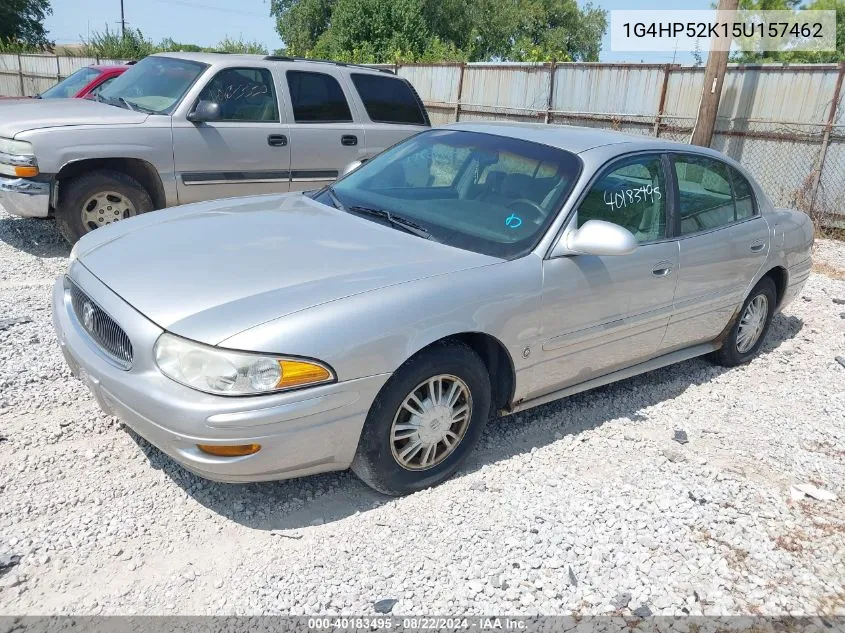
(734, 351)
(131, 199)
(376, 461)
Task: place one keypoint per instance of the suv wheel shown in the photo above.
(425, 420)
(96, 199)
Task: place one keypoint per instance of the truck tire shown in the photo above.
(96, 199)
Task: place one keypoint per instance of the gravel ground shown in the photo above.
(583, 506)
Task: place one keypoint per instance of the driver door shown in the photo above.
(603, 313)
(245, 152)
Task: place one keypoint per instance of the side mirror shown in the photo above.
(205, 111)
(355, 164)
(596, 237)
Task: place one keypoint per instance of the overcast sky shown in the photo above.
(206, 22)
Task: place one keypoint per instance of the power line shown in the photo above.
(208, 7)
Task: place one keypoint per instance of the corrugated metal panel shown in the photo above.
(780, 94)
(438, 84)
(517, 88)
(683, 92)
(607, 89)
(69, 65)
(40, 66)
(840, 111)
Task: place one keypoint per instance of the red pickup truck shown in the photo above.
(84, 83)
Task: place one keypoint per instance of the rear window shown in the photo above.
(317, 98)
(388, 100)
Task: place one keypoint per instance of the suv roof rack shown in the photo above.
(285, 58)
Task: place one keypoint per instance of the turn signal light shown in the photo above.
(295, 372)
(236, 450)
(26, 172)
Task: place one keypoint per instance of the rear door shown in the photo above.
(324, 136)
(246, 152)
(392, 108)
(723, 243)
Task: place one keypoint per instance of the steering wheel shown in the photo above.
(533, 208)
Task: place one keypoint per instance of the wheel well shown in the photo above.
(142, 171)
(498, 362)
(778, 275)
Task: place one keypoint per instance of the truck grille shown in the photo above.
(102, 328)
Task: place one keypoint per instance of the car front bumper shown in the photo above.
(300, 432)
(24, 197)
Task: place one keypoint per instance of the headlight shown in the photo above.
(17, 158)
(228, 373)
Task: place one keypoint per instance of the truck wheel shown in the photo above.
(95, 199)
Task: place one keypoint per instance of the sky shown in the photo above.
(206, 22)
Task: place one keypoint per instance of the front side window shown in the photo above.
(388, 100)
(244, 94)
(155, 84)
(704, 192)
(98, 89)
(489, 194)
(632, 194)
(317, 98)
(68, 87)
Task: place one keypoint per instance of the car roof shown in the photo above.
(229, 59)
(575, 139)
(105, 67)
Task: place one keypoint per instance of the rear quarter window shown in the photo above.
(388, 99)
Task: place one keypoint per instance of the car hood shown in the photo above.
(208, 271)
(20, 115)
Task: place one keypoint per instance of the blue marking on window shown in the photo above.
(513, 221)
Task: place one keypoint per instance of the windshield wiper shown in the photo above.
(335, 200)
(396, 220)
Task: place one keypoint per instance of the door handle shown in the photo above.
(349, 139)
(661, 269)
(277, 140)
(756, 247)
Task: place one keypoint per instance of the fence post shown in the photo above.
(460, 90)
(20, 75)
(58, 69)
(549, 101)
(662, 103)
(828, 128)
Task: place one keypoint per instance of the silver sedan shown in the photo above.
(378, 323)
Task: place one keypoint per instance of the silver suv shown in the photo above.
(185, 127)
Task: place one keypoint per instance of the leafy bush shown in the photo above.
(113, 45)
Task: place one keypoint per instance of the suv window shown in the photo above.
(244, 94)
(317, 98)
(704, 191)
(631, 194)
(388, 100)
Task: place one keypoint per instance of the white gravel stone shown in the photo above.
(578, 507)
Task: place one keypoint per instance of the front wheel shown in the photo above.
(96, 199)
(748, 332)
(425, 420)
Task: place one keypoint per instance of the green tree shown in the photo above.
(837, 55)
(22, 23)
(440, 30)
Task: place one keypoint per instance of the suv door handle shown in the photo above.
(348, 139)
(661, 269)
(277, 140)
(757, 246)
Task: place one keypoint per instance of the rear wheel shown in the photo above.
(425, 420)
(748, 332)
(96, 199)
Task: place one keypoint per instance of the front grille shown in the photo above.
(102, 328)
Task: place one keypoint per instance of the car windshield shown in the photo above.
(68, 87)
(481, 192)
(154, 84)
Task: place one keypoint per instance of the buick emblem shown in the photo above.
(88, 315)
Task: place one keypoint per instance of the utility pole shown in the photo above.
(714, 77)
(122, 22)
